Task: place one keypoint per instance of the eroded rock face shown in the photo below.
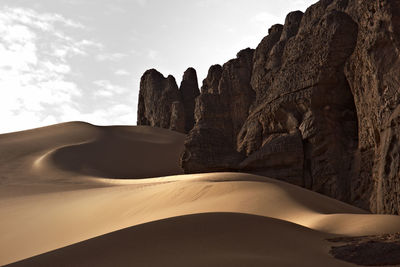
(307, 104)
(373, 72)
(221, 109)
(211, 82)
(317, 104)
(283, 150)
(156, 96)
(260, 78)
(208, 146)
(178, 120)
(163, 104)
(189, 90)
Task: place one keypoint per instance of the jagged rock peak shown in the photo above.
(211, 82)
(189, 90)
(190, 75)
(292, 24)
(261, 76)
(247, 53)
(220, 112)
(163, 104)
(156, 96)
(276, 28)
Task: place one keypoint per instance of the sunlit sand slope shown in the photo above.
(59, 187)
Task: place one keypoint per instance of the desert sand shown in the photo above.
(76, 194)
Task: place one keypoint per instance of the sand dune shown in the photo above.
(59, 187)
(118, 152)
(211, 239)
(57, 158)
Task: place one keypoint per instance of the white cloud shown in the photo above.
(107, 89)
(231, 30)
(122, 72)
(264, 19)
(34, 68)
(205, 3)
(142, 2)
(90, 43)
(118, 114)
(64, 47)
(152, 54)
(302, 4)
(43, 21)
(110, 57)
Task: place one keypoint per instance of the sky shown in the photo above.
(81, 60)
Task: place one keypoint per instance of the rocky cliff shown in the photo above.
(316, 104)
(163, 104)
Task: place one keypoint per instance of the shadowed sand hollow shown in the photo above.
(119, 152)
(208, 239)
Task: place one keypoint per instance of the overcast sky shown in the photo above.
(66, 60)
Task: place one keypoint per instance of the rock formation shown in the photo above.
(306, 116)
(220, 112)
(316, 104)
(373, 72)
(162, 104)
(178, 118)
(189, 90)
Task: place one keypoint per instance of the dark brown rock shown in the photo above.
(162, 104)
(208, 147)
(381, 250)
(281, 156)
(316, 104)
(306, 104)
(302, 127)
(177, 117)
(234, 87)
(210, 84)
(189, 90)
(292, 24)
(221, 109)
(156, 96)
(373, 72)
(261, 78)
